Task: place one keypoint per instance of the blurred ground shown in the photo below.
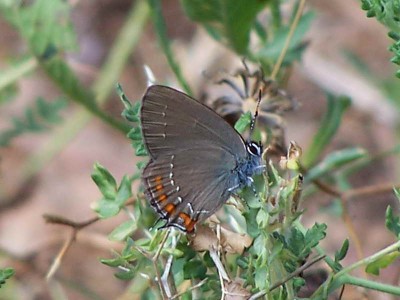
(64, 187)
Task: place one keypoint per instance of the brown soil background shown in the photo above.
(64, 186)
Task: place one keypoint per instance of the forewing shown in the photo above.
(172, 121)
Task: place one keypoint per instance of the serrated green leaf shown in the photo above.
(140, 150)
(140, 166)
(135, 134)
(336, 107)
(122, 231)
(381, 263)
(131, 111)
(341, 254)
(333, 161)
(105, 181)
(315, 234)
(392, 222)
(296, 242)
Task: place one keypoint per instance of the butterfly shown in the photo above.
(197, 160)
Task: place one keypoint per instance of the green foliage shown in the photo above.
(114, 197)
(243, 122)
(131, 113)
(38, 118)
(270, 51)
(340, 255)
(381, 263)
(233, 22)
(334, 161)
(5, 274)
(44, 24)
(392, 221)
(337, 106)
(387, 12)
(229, 22)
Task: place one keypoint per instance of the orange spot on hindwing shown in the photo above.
(188, 223)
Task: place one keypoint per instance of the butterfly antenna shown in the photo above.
(253, 120)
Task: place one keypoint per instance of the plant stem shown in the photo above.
(160, 27)
(296, 20)
(370, 259)
(15, 72)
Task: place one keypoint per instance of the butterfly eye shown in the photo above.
(254, 149)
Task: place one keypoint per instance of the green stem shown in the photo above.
(14, 73)
(160, 27)
(369, 284)
(343, 276)
(370, 259)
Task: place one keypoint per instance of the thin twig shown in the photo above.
(283, 281)
(369, 190)
(189, 289)
(59, 220)
(155, 259)
(293, 27)
(57, 261)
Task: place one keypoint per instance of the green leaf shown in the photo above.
(381, 263)
(105, 181)
(334, 160)
(194, 269)
(37, 118)
(113, 262)
(130, 112)
(397, 193)
(123, 230)
(232, 20)
(107, 208)
(124, 191)
(126, 275)
(271, 50)
(392, 222)
(315, 234)
(261, 277)
(5, 274)
(298, 282)
(135, 134)
(45, 25)
(329, 125)
(243, 122)
(341, 254)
